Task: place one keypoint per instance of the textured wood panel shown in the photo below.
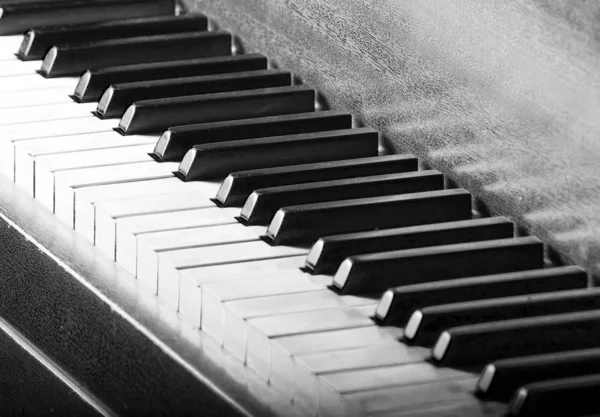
(503, 97)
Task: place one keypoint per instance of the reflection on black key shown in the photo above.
(36, 42)
(17, 17)
(577, 396)
(262, 204)
(92, 83)
(373, 273)
(478, 344)
(327, 254)
(176, 141)
(397, 304)
(425, 325)
(216, 160)
(308, 222)
(500, 379)
(73, 59)
(118, 97)
(238, 186)
(157, 115)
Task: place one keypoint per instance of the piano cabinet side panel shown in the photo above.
(503, 97)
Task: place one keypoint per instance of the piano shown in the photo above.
(310, 208)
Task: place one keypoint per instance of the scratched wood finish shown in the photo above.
(503, 97)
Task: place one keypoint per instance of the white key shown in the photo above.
(253, 279)
(44, 112)
(194, 264)
(66, 183)
(11, 134)
(128, 229)
(150, 245)
(108, 212)
(407, 398)
(27, 151)
(227, 321)
(16, 67)
(334, 385)
(309, 367)
(260, 331)
(471, 407)
(37, 82)
(9, 45)
(26, 169)
(29, 98)
(87, 197)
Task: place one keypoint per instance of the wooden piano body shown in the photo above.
(500, 96)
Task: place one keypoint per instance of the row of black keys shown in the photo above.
(377, 272)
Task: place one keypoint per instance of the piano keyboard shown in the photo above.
(353, 282)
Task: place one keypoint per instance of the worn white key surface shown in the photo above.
(44, 112)
(150, 245)
(128, 229)
(195, 259)
(66, 183)
(37, 82)
(27, 167)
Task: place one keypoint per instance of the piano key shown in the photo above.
(461, 408)
(13, 68)
(397, 304)
(216, 160)
(306, 223)
(426, 324)
(50, 164)
(73, 59)
(45, 112)
(377, 272)
(262, 204)
(10, 135)
(150, 245)
(19, 17)
(29, 98)
(309, 367)
(66, 183)
(155, 115)
(408, 398)
(260, 331)
(118, 97)
(327, 253)
(477, 344)
(36, 42)
(337, 384)
(34, 81)
(92, 83)
(238, 186)
(87, 197)
(575, 396)
(9, 45)
(128, 228)
(175, 141)
(108, 212)
(500, 379)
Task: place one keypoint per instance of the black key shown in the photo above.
(157, 115)
(306, 223)
(577, 396)
(216, 160)
(92, 83)
(262, 204)
(478, 344)
(327, 254)
(500, 379)
(176, 141)
(18, 16)
(36, 42)
(397, 304)
(118, 97)
(374, 273)
(425, 325)
(73, 59)
(238, 186)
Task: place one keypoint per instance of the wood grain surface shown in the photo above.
(503, 97)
